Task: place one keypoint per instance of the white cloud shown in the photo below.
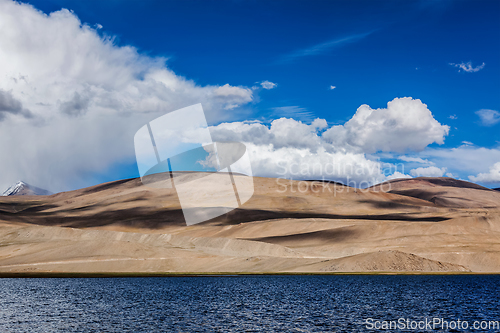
(406, 124)
(241, 93)
(463, 159)
(268, 85)
(398, 175)
(292, 149)
(488, 117)
(453, 117)
(293, 111)
(288, 142)
(431, 171)
(319, 123)
(332, 87)
(467, 67)
(302, 163)
(71, 99)
(414, 159)
(323, 47)
(295, 149)
(493, 176)
(283, 132)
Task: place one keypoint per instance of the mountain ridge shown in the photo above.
(124, 226)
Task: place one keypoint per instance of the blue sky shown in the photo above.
(406, 51)
(371, 52)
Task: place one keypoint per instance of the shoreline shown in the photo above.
(218, 274)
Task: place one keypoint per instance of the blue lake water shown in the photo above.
(335, 303)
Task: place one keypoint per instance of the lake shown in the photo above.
(267, 303)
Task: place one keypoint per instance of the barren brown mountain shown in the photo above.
(406, 225)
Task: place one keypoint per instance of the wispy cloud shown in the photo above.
(322, 47)
(268, 85)
(295, 112)
(332, 87)
(415, 159)
(488, 117)
(467, 67)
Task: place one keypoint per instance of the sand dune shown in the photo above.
(413, 225)
(384, 261)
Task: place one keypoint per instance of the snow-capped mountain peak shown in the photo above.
(22, 188)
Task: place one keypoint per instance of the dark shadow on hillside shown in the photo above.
(389, 204)
(156, 219)
(245, 215)
(314, 238)
(132, 217)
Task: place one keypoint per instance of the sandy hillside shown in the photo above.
(410, 225)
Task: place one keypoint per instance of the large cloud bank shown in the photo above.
(292, 149)
(71, 99)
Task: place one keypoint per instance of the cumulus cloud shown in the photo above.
(301, 163)
(292, 149)
(493, 176)
(405, 125)
(242, 94)
(467, 67)
(283, 132)
(71, 99)
(287, 146)
(268, 85)
(488, 117)
(332, 87)
(431, 171)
